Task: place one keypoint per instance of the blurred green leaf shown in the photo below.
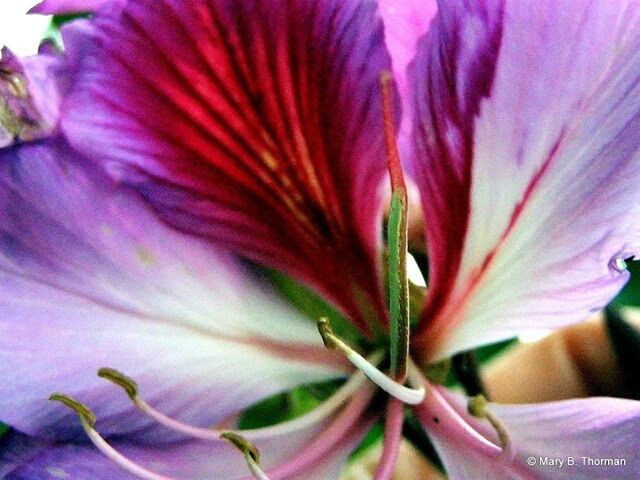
(466, 367)
(625, 340)
(482, 355)
(414, 432)
(488, 352)
(286, 406)
(58, 20)
(313, 306)
(3, 429)
(372, 437)
(630, 294)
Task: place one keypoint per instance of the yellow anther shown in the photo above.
(326, 332)
(84, 412)
(242, 444)
(249, 451)
(120, 379)
(478, 406)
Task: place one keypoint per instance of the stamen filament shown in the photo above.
(110, 452)
(392, 439)
(478, 407)
(87, 420)
(329, 406)
(250, 452)
(440, 418)
(351, 422)
(411, 396)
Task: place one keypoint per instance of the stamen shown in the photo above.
(394, 419)
(412, 396)
(84, 412)
(120, 379)
(88, 419)
(479, 408)
(325, 409)
(397, 240)
(250, 452)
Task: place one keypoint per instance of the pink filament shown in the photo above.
(322, 446)
(441, 419)
(392, 439)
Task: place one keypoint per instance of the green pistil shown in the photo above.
(396, 238)
(398, 284)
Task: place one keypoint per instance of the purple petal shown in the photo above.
(405, 22)
(528, 139)
(254, 124)
(65, 7)
(25, 458)
(89, 278)
(314, 450)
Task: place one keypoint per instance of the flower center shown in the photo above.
(403, 381)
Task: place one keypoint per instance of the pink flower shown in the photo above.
(199, 139)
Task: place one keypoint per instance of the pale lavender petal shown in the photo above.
(284, 449)
(528, 142)
(26, 458)
(595, 438)
(332, 464)
(589, 430)
(463, 464)
(89, 278)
